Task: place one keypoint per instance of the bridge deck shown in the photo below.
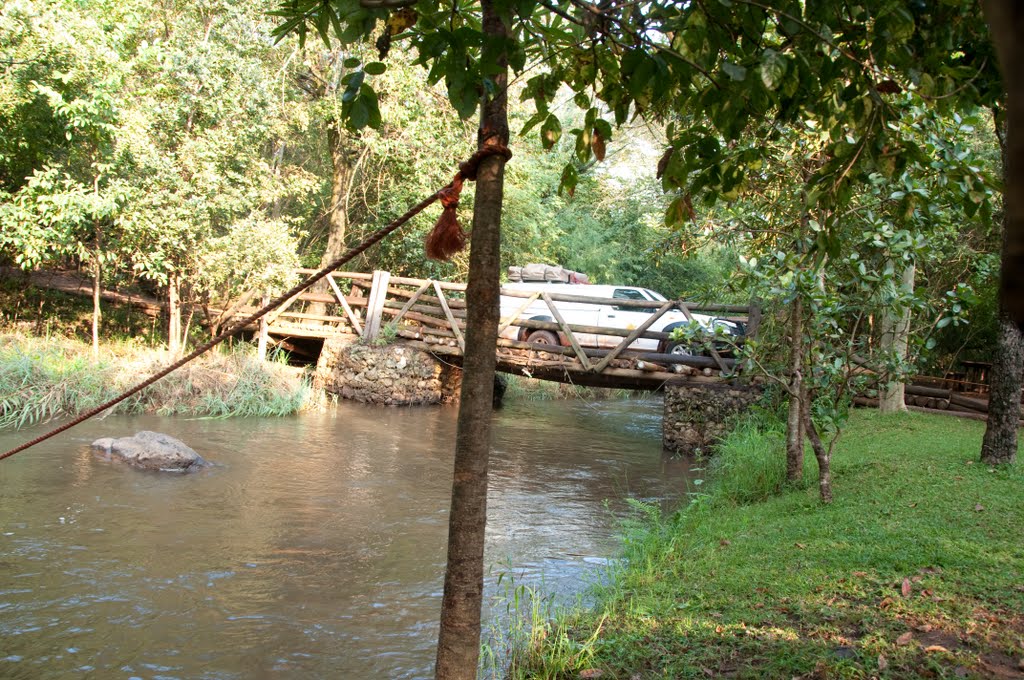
(430, 315)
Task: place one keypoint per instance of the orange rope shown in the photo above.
(467, 170)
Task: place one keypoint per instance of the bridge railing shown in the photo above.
(432, 314)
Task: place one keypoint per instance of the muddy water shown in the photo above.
(316, 547)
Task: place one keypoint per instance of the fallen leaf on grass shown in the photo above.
(800, 545)
(979, 507)
(906, 587)
(904, 639)
(916, 578)
(591, 673)
(708, 672)
(725, 542)
(860, 574)
(923, 628)
(936, 648)
(883, 663)
(885, 603)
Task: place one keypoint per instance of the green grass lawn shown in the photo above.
(916, 570)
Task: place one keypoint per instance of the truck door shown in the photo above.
(625, 318)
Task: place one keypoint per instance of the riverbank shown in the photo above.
(916, 570)
(46, 378)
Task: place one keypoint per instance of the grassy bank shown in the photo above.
(46, 378)
(916, 570)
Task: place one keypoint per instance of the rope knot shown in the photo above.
(447, 237)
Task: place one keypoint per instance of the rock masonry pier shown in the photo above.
(697, 416)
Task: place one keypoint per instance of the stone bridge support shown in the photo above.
(392, 375)
(697, 415)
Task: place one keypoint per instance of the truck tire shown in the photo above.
(543, 338)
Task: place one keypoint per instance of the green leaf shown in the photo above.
(734, 71)
(570, 178)
(773, 69)
(551, 132)
(375, 68)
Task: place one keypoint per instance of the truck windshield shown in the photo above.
(655, 296)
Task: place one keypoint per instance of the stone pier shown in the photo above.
(391, 375)
(696, 416)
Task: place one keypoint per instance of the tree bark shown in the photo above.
(823, 456)
(174, 315)
(458, 646)
(97, 272)
(1005, 19)
(895, 337)
(794, 423)
(337, 215)
(1000, 443)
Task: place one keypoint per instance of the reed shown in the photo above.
(42, 379)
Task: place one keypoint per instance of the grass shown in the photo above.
(46, 378)
(916, 570)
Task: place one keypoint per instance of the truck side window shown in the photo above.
(627, 294)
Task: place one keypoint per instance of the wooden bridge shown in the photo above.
(430, 315)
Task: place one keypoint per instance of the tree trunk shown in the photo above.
(97, 272)
(823, 456)
(173, 315)
(794, 423)
(895, 337)
(1000, 443)
(337, 215)
(458, 646)
(1006, 23)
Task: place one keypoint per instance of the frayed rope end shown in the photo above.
(447, 237)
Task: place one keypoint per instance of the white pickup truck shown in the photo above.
(603, 311)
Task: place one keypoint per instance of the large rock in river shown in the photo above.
(151, 451)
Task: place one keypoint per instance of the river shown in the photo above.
(314, 549)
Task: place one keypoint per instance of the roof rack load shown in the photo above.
(545, 273)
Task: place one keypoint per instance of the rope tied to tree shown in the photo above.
(447, 237)
(449, 196)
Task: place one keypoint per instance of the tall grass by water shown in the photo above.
(46, 378)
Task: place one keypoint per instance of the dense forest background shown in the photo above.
(177, 147)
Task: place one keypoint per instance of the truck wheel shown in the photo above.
(543, 338)
(682, 348)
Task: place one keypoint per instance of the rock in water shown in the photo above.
(151, 451)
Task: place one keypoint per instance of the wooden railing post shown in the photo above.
(375, 304)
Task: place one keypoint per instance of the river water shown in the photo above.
(314, 549)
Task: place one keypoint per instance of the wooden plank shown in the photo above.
(515, 315)
(412, 300)
(632, 337)
(375, 305)
(313, 317)
(447, 285)
(363, 276)
(451, 319)
(344, 305)
(568, 332)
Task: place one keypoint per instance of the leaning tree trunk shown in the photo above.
(822, 455)
(797, 393)
(458, 646)
(895, 338)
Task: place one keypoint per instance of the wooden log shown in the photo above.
(968, 403)
(921, 391)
